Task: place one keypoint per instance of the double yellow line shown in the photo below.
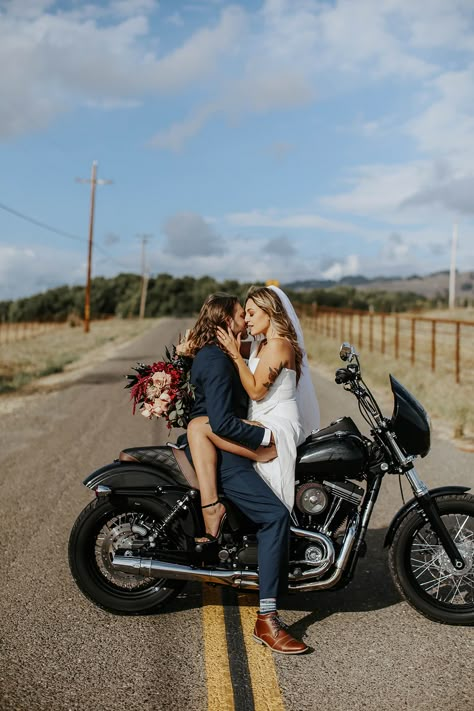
(220, 690)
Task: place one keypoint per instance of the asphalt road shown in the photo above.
(59, 652)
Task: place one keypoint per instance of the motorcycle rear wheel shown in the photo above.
(422, 571)
(104, 527)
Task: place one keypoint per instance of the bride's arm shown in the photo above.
(278, 354)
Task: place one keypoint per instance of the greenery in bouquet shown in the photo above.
(163, 389)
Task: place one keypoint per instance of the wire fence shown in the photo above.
(444, 345)
(21, 330)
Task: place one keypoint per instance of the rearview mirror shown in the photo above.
(347, 351)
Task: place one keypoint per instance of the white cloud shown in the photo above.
(358, 38)
(280, 57)
(129, 8)
(297, 50)
(281, 246)
(446, 127)
(256, 93)
(394, 250)
(242, 259)
(58, 61)
(188, 235)
(29, 270)
(175, 136)
(348, 266)
(443, 177)
(274, 218)
(378, 189)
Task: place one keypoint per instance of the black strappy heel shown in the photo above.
(210, 538)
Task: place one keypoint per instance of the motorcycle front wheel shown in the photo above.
(105, 527)
(421, 568)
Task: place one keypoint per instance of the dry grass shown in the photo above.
(459, 314)
(448, 404)
(59, 350)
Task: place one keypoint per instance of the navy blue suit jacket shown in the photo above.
(220, 396)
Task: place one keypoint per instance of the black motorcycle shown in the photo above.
(132, 548)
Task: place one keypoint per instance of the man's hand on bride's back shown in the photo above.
(266, 454)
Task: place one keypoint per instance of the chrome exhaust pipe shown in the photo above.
(341, 563)
(158, 569)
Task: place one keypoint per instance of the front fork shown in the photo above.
(430, 511)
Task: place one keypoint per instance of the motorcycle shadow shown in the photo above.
(370, 589)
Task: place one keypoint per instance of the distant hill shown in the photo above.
(429, 286)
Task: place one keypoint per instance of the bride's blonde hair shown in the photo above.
(270, 303)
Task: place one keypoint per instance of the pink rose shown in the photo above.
(147, 410)
(161, 380)
(161, 405)
(152, 392)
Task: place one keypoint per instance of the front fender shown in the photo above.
(413, 503)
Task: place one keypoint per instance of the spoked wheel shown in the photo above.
(102, 529)
(421, 567)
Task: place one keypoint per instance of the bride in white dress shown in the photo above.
(281, 398)
(279, 408)
(278, 411)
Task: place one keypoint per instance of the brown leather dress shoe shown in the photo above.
(271, 631)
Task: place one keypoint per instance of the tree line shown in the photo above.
(181, 296)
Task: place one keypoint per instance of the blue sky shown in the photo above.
(278, 139)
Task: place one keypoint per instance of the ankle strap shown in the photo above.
(213, 504)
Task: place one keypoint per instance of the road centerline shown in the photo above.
(240, 675)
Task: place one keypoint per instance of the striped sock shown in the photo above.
(268, 604)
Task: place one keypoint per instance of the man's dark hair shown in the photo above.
(215, 312)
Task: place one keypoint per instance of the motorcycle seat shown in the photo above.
(173, 461)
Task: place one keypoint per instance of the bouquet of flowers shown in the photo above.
(163, 389)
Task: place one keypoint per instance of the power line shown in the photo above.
(59, 232)
(38, 223)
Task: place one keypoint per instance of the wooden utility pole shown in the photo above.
(452, 271)
(145, 275)
(93, 181)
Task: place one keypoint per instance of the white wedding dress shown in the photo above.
(279, 412)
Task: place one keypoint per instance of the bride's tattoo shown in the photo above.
(273, 374)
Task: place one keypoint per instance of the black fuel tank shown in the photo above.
(334, 452)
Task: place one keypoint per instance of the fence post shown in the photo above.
(397, 335)
(433, 345)
(458, 350)
(412, 344)
(361, 337)
(342, 326)
(371, 332)
(382, 326)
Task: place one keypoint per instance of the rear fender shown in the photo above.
(413, 504)
(129, 480)
(130, 476)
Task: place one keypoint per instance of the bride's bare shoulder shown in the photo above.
(277, 347)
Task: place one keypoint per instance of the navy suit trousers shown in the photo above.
(247, 490)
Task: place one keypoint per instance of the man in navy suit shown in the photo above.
(220, 396)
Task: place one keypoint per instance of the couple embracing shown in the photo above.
(246, 423)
